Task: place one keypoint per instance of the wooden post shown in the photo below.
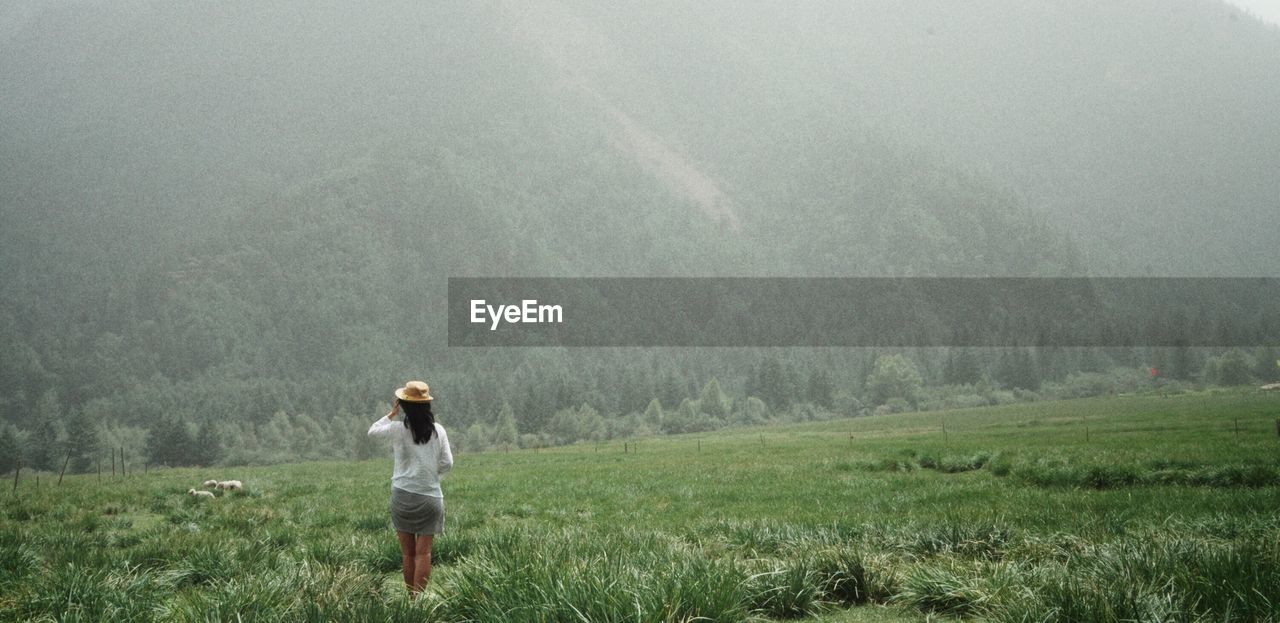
(113, 462)
(64, 467)
(99, 462)
(1278, 427)
(122, 469)
(699, 445)
(1086, 433)
(624, 447)
(17, 471)
(944, 431)
(1237, 421)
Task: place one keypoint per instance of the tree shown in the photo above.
(309, 438)
(83, 443)
(630, 391)
(669, 390)
(962, 367)
(848, 405)
(365, 447)
(894, 376)
(170, 443)
(684, 420)
(1231, 368)
(1182, 365)
(208, 446)
(48, 407)
(45, 445)
(473, 438)
(774, 383)
(653, 415)
(1268, 365)
(505, 431)
(9, 449)
(276, 435)
(820, 390)
(570, 425)
(1017, 369)
(712, 400)
(754, 411)
(591, 424)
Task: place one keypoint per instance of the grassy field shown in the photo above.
(1125, 508)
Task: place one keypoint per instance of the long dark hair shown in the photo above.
(419, 419)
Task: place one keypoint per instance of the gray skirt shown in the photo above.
(415, 513)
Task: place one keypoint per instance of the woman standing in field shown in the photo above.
(422, 456)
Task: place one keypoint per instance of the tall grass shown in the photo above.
(1013, 517)
(1154, 580)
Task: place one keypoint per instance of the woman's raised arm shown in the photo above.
(384, 426)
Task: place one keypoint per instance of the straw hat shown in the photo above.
(414, 391)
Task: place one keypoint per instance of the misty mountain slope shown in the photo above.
(1135, 126)
(262, 197)
(1148, 129)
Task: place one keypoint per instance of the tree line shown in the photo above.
(563, 404)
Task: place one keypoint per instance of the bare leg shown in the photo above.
(422, 560)
(407, 558)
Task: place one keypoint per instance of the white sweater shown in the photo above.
(418, 468)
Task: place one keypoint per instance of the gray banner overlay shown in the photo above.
(864, 311)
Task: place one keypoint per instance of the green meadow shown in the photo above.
(1126, 508)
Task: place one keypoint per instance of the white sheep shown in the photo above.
(210, 483)
(231, 485)
(200, 494)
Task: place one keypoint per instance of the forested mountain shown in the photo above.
(236, 219)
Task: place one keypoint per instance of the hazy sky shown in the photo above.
(1268, 10)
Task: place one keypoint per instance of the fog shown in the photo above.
(240, 199)
(1265, 10)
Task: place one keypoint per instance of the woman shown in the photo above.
(422, 456)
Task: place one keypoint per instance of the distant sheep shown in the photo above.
(210, 483)
(231, 485)
(200, 494)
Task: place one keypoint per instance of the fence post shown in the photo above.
(113, 462)
(699, 445)
(16, 471)
(123, 473)
(1237, 423)
(1278, 427)
(99, 462)
(64, 467)
(944, 431)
